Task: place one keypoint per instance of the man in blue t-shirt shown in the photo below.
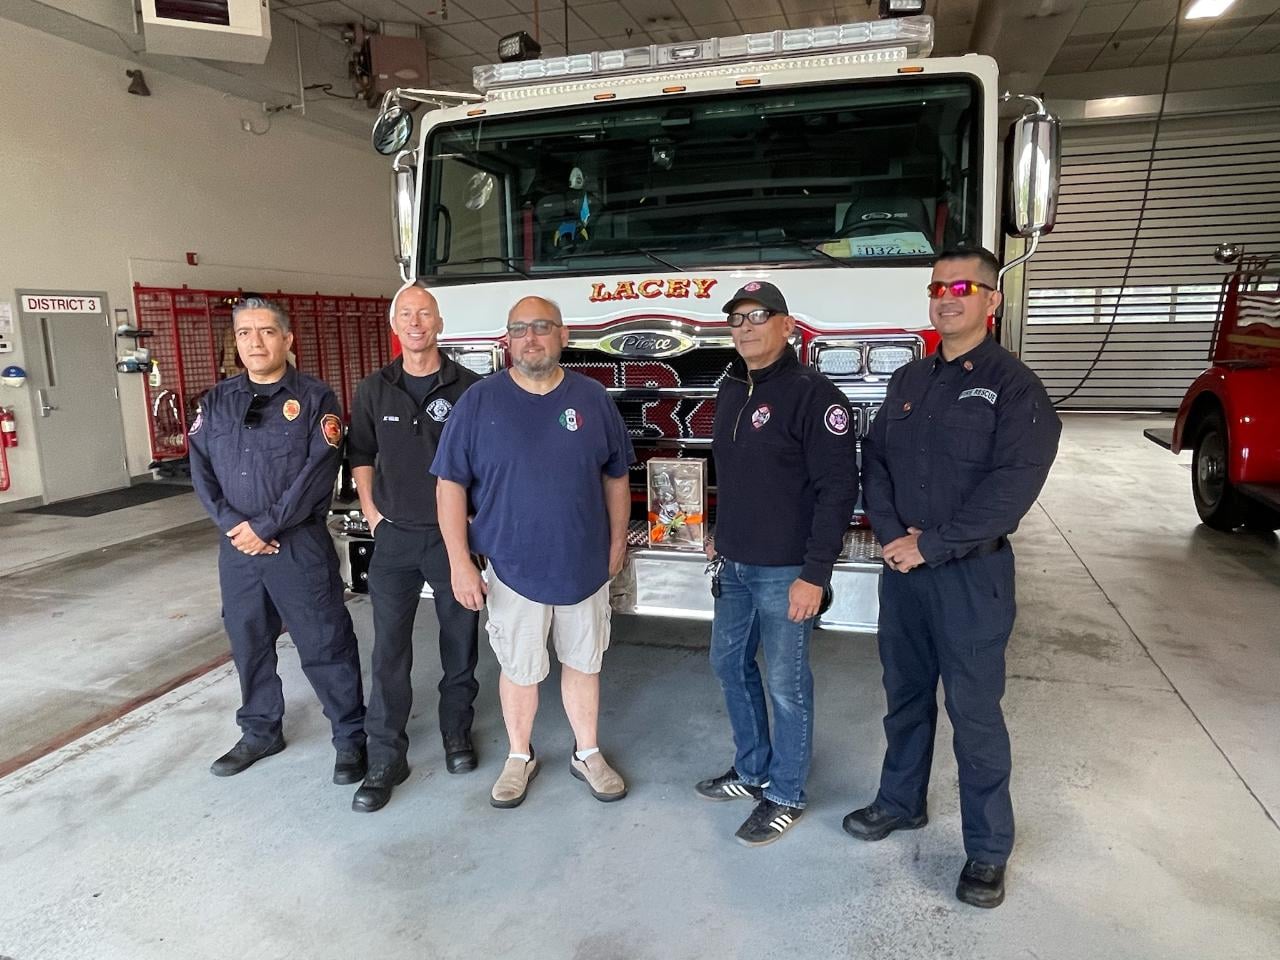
(542, 454)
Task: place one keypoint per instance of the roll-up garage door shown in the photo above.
(1206, 186)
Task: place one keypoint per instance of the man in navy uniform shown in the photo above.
(396, 422)
(952, 463)
(264, 456)
(787, 476)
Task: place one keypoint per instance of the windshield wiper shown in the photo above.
(622, 253)
(809, 246)
(503, 260)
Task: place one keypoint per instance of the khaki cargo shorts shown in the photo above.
(518, 629)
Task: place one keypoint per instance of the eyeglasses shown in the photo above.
(253, 416)
(540, 327)
(757, 317)
(957, 288)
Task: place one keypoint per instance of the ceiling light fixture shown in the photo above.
(1207, 9)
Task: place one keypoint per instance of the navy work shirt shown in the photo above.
(535, 467)
(959, 450)
(274, 466)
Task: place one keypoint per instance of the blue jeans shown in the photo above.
(751, 612)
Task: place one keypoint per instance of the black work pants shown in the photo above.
(298, 587)
(951, 622)
(403, 559)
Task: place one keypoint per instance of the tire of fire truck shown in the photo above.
(1217, 501)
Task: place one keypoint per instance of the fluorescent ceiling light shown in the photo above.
(1207, 9)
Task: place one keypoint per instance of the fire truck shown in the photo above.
(1229, 417)
(639, 188)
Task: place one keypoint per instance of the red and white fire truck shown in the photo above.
(639, 188)
(1230, 418)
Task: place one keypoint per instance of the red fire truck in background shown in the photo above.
(1230, 416)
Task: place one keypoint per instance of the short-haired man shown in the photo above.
(396, 422)
(264, 456)
(543, 454)
(954, 460)
(787, 482)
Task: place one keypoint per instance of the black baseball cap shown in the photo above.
(763, 293)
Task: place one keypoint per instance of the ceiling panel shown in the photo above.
(483, 9)
(699, 12)
(608, 19)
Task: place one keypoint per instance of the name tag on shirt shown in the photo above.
(390, 419)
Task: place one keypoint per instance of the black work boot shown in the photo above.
(244, 755)
(981, 884)
(872, 823)
(375, 792)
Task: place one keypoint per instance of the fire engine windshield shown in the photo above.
(884, 172)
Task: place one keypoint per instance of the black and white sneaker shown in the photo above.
(768, 821)
(728, 786)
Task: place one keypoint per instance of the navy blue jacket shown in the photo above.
(959, 450)
(275, 473)
(786, 467)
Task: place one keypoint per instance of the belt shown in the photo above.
(991, 546)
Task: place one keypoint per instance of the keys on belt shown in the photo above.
(714, 568)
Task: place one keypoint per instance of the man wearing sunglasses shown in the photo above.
(396, 421)
(952, 463)
(787, 483)
(542, 454)
(264, 456)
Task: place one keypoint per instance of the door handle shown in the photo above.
(45, 406)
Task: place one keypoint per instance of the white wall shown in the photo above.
(99, 189)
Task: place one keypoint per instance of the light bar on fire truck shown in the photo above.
(869, 42)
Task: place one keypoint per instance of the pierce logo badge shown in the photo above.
(331, 428)
(761, 416)
(983, 392)
(569, 420)
(438, 409)
(837, 420)
(291, 409)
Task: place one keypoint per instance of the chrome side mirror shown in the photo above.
(392, 129)
(402, 225)
(1035, 158)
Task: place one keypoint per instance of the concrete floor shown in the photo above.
(1142, 701)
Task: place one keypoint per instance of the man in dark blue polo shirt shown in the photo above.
(954, 460)
(264, 457)
(542, 453)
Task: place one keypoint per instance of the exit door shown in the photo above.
(71, 351)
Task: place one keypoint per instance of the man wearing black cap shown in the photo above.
(787, 483)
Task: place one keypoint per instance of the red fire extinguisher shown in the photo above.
(8, 428)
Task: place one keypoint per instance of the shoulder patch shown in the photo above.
(983, 392)
(198, 423)
(837, 420)
(331, 427)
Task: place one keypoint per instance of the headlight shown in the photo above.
(839, 361)
(478, 358)
(886, 359)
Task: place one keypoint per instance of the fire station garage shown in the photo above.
(265, 263)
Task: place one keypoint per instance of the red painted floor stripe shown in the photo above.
(107, 716)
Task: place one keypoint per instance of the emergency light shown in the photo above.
(874, 42)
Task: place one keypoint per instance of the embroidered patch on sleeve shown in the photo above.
(331, 427)
(199, 422)
(837, 420)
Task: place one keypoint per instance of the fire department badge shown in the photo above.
(438, 409)
(570, 420)
(331, 427)
(761, 416)
(837, 420)
(291, 409)
(752, 286)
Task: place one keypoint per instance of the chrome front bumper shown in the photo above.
(671, 583)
